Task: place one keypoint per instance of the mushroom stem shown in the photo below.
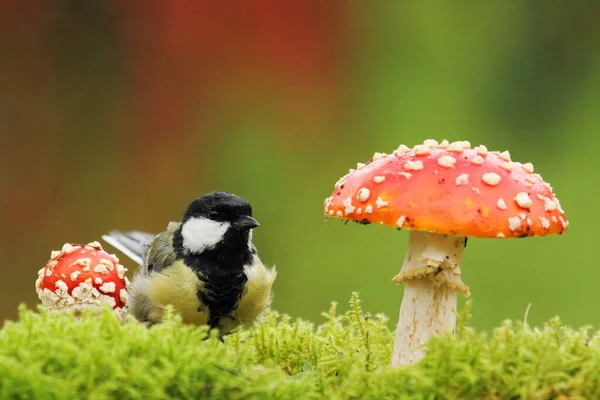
(431, 271)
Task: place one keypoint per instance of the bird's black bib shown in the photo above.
(223, 281)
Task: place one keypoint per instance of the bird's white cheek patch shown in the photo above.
(200, 234)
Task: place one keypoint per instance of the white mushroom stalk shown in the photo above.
(431, 273)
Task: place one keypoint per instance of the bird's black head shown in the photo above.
(217, 223)
(218, 206)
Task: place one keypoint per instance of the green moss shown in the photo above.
(56, 356)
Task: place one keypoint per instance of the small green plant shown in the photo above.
(58, 356)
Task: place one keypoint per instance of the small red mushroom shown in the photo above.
(443, 193)
(80, 276)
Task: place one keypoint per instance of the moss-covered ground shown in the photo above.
(57, 356)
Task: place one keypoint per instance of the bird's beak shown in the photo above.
(246, 223)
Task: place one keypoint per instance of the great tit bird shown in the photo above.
(205, 266)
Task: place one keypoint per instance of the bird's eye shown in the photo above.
(212, 214)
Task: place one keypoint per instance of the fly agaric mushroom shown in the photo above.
(80, 276)
(443, 193)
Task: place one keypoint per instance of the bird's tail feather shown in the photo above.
(133, 244)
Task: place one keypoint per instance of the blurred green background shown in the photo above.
(117, 114)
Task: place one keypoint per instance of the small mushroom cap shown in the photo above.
(449, 188)
(79, 276)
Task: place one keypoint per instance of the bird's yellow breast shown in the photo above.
(256, 297)
(177, 286)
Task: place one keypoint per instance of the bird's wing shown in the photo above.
(160, 252)
(133, 244)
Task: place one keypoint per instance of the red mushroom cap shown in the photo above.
(449, 188)
(80, 276)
